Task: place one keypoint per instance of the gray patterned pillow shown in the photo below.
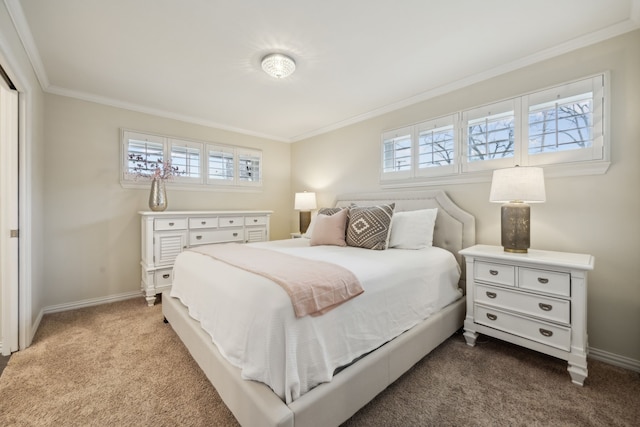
(369, 227)
(329, 211)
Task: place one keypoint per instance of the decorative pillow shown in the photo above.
(369, 227)
(324, 211)
(330, 229)
(413, 229)
(329, 211)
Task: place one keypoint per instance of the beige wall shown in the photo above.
(592, 214)
(14, 58)
(92, 229)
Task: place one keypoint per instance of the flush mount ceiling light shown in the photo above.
(278, 65)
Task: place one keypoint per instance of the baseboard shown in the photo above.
(35, 326)
(614, 359)
(91, 302)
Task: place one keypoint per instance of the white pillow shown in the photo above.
(413, 229)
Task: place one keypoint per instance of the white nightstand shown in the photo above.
(537, 300)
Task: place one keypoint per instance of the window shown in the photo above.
(562, 126)
(198, 165)
(249, 166)
(489, 136)
(186, 157)
(437, 146)
(234, 165)
(221, 164)
(397, 152)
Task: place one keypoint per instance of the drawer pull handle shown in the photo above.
(166, 276)
(198, 237)
(546, 332)
(231, 221)
(543, 280)
(492, 316)
(491, 294)
(545, 307)
(255, 220)
(235, 234)
(171, 224)
(493, 272)
(203, 222)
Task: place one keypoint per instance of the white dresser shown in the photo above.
(537, 300)
(166, 234)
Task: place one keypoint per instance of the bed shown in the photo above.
(330, 403)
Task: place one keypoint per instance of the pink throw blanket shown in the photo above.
(314, 287)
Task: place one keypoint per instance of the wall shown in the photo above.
(590, 214)
(15, 61)
(92, 229)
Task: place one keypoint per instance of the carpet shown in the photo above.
(118, 365)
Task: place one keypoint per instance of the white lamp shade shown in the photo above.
(305, 201)
(518, 184)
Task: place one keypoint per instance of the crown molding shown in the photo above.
(17, 16)
(577, 43)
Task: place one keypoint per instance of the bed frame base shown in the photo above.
(329, 404)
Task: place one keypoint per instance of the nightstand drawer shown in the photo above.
(162, 224)
(204, 222)
(495, 273)
(215, 236)
(550, 309)
(542, 332)
(255, 220)
(231, 221)
(551, 282)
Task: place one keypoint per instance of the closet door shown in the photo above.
(8, 217)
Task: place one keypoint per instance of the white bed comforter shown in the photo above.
(252, 322)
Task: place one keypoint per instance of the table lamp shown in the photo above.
(516, 187)
(305, 202)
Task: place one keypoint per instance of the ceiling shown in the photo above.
(199, 60)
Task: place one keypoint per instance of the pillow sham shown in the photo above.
(413, 229)
(369, 227)
(324, 211)
(330, 229)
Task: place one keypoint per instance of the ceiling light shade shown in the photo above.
(278, 65)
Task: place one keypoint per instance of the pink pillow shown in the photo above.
(330, 229)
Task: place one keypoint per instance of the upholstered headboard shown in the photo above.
(455, 228)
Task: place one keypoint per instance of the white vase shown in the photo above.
(158, 195)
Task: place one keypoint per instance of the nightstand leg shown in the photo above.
(469, 334)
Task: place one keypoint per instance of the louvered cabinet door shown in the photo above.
(167, 246)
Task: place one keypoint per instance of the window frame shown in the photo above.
(574, 162)
(201, 182)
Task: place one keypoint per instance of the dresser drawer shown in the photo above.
(255, 220)
(215, 236)
(495, 273)
(542, 332)
(551, 282)
(546, 308)
(204, 222)
(231, 221)
(164, 277)
(163, 224)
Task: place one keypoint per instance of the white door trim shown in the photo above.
(9, 267)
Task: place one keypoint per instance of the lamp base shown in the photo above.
(516, 227)
(305, 220)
